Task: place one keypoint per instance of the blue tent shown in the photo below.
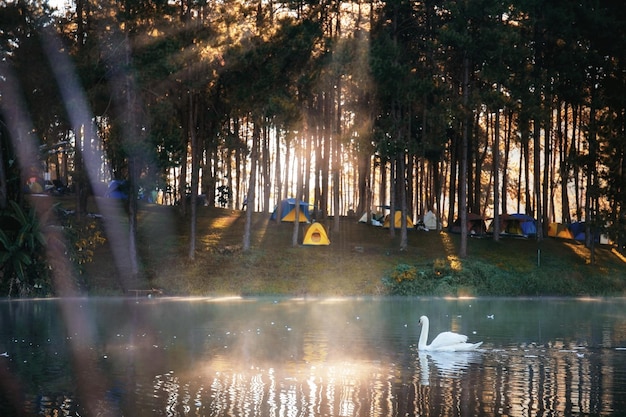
(118, 189)
(288, 211)
(527, 223)
(578, 230)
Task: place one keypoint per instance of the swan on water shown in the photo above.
(446, 341)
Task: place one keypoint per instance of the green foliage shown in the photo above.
(25, 269)
(480, 278)
(83, 237)
(403, 272)
(22, 261)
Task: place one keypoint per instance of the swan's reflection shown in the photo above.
(439, 365)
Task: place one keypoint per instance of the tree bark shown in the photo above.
(251, 188)
(403, 228)
(496, 176)
(464, 146)
(298, 195)
(195, 167)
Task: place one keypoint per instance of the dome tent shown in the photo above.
(316, 235)
(398, 221)
(288, 211)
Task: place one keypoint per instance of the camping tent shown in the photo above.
(559, 230)
(430, 220)
(288, 211)
(527, 223)
(516, 225)
(578, 230)
(375, 218)
(579, 233)
(316, 235)
(118, 189)
(398, 221)
(475, 225)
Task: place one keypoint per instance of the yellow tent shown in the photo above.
(291, 216)
(316, 235)
(559, 230)
(398, 221)
(288, 211)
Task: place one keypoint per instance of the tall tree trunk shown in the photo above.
(591, 196)
(195, 167)
(505, 162)
(546, 188)
(496, 176)
(307, 163)
(133, 114)
(526, 169)
(182, 180)
(455, 152)
(256, 133)
(228, 160)
(336, 161)
(403, 227)
(132, 219)
(326, 138)
(238, 165)
(577, 123)
(382, 188)
(363, 173)
(298, 195)
(537, 175)
(464, 157)
(564, 167)
(278, 180)
(266, 161)
(80, 178)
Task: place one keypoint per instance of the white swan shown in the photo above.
(446, 341)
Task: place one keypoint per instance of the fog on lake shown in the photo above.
(310, 357)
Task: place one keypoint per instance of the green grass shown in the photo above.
(361, 260)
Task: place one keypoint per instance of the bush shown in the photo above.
(410, 280)
(24, 267)
(474, 278)
(480, 278)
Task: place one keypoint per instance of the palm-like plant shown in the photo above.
(22, 247)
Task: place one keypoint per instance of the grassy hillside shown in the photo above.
(361, 260)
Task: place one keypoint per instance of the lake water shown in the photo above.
(285, 357)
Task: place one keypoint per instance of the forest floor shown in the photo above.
(358, 262)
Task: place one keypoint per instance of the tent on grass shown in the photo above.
(578, 230)
(398, 221)
(118, 189)
(516, 225)
(316, 235)
(475, 225)
(579, 233)
(527, 223)
(375, 218)
(559, 230)
(288, 211)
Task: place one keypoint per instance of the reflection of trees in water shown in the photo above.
(341, 389)
(310, 372)
(534, 381)
(270, 359)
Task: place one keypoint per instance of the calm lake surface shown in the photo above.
(285, 357)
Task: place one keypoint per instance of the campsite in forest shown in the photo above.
(443, 148)
(312, 207)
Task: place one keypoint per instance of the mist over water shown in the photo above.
(284, 357)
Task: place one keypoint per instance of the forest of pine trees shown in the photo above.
(481, 106)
